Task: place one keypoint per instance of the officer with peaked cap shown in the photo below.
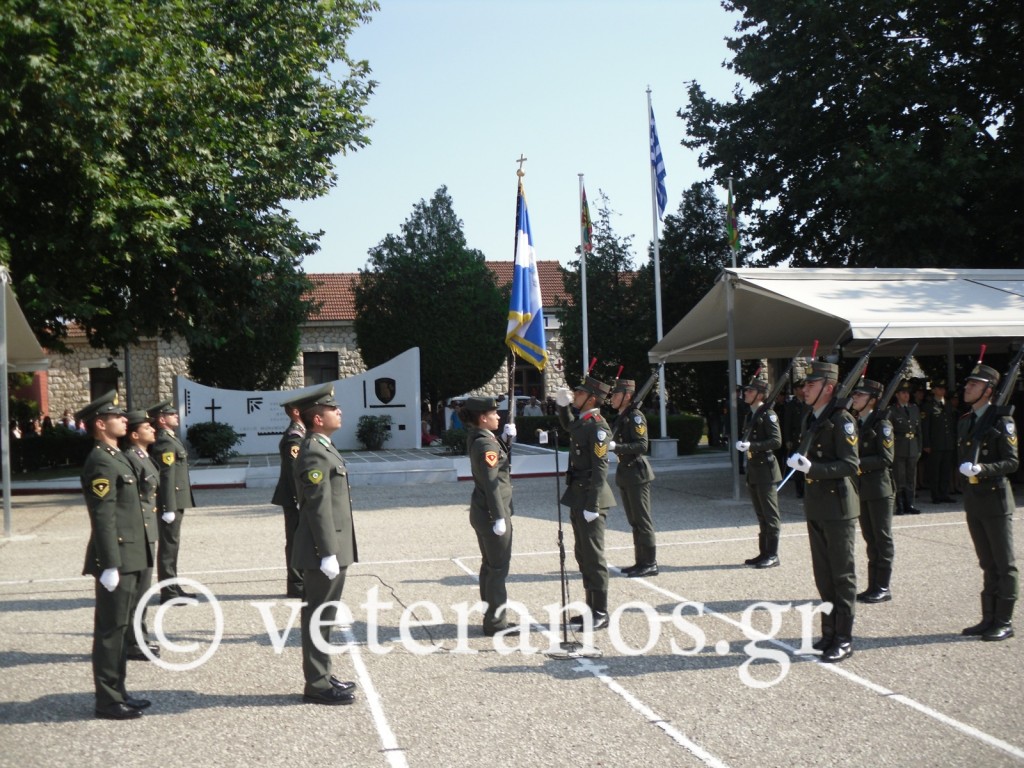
(325, 539)
(876, 447)
(116, 555)
(285, 495)
(906, 426)
(490, 506)
(938, 441)
(633, 476)
(831, 507)
(763, 473)
(135, 446)
(174, 495)
(988, 501)
(587, 493)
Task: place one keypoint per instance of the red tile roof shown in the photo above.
(335, 292)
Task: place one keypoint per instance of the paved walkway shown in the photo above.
(704, 665)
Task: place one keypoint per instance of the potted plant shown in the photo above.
(373, 431)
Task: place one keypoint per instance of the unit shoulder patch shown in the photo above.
(601, 435)
(315, 476)
(167, 458)
(772, 417)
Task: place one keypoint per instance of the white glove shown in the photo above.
(329, 565)
(110, 578)
(509, 431)
(970, 470)
(562, 397)
(742, 446)
(590, 516)
(167, 517)
(499, 527)
(802, 463)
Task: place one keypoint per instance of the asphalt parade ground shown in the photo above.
(702, 664)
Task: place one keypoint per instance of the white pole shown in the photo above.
(657, 280)
(5, 427)
(583, 286)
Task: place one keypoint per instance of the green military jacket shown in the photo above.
(906, 427)
(170, 456)
(876, 446)
(631, 443)
(325, 506)
(492, 481)
(586, 482)
(288, 448)
(989, 492)
(938, 426)
(765, 439)
(830, 492)
(147, 481)
(118, 524)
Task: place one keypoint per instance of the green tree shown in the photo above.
(620, 311)
(877, 134)
(425, 288)
(148, 151)
(693, 252)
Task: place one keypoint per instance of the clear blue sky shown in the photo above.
(465, 86)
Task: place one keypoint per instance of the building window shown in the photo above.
(319, 367)
(102, 380)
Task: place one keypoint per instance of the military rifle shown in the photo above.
(999, 405)
(645, 390)
(882, 406)
(840, 401)
(770, 399)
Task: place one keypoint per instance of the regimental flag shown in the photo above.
(732, 230)
(586, 225)
(658, 165)
(525, 334)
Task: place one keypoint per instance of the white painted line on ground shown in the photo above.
(389, 744)
(964, 728)
(597, 670)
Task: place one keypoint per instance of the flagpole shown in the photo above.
(583, 286)
(662, 418)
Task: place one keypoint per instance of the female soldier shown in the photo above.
(490, 507)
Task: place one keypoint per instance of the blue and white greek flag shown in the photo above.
(525, 334)
(658, 166)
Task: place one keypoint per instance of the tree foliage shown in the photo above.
(148, 149)
(620, 310)
(425, 288)
(878, 134)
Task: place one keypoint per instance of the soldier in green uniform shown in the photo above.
(831, 507)
(587, 493)
(633, 476)
(876, 447)
(905, 417)
(793, 413)
(490, 506)
(938, 440)
(325, 539)
(174, 495)
(763, 472)
(988, 502)
(116, 555)
(284, 493)
(135, 445)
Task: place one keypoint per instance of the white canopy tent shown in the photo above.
(758, 313)
(774, 311)
(19, 351)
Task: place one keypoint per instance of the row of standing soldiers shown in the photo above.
(852, 470)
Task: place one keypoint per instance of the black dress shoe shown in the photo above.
(629, 569)
(650, 569)
(913, 511)
(753, 560)
(118, 711)
(137, 654)
(331, 696)
(877, 595)
(600, 621)
(166, 597)
(342, 685)
(134, 703)
(840, 651)
(1000, 630)
(769, 561)
(825, 643)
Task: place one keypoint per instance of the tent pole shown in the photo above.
(730, 305)
(5, 425)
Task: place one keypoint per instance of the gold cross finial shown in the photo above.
(520, 173)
